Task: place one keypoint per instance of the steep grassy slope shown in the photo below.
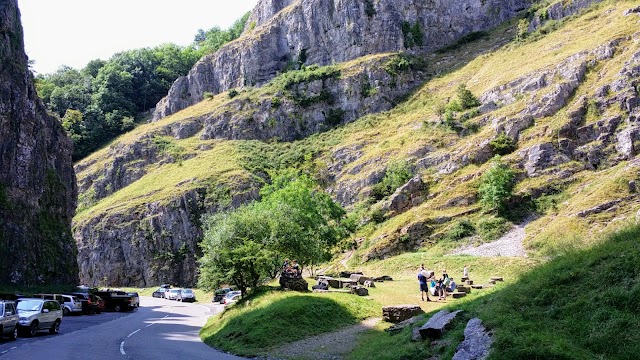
(552, 94)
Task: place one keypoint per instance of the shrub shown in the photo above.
(396, 175)
(276, 102)
(233, 93)
(492, 228)
(459, 230)
(466, 98)
(496, 186)
(403, 62)
(502, 145)
(207, 95)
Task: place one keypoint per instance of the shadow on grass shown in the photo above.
(271, 318)
(582, 305)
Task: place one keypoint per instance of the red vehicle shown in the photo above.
(101, 303)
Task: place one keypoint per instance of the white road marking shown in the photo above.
(130, 335)
(4, 352)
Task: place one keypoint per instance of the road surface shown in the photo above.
(158, 329)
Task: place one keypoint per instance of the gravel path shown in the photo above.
(508, 245)
(330, 346)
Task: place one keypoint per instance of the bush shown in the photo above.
(466, 98)
(207, 95)
(396, 175)
(492, 228)
(459, 230)
(233, 93)
(502, 145)
(276, 102)
(496, 186)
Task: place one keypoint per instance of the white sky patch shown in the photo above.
(73, 32)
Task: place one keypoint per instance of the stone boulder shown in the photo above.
(438, 324)
(397, 328)
(359, 290)
(477, 342)
(347, 274)
(399, 313)
(406, 196)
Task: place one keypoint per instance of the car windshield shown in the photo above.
(187, 291)
(174, 291)
(29, 305)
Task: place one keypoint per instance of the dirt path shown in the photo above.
(510, 244)
(333, 346)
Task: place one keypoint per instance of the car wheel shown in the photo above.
(33, 329)
(14, 334)
(117, 308)
(65, 312)
(55, 329)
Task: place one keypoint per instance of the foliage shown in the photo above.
(396, 175)
(491, 228)
(233, 93)
(207, 42)
(207, 95)
(369, 9)
(403, 62)
(496, 186)
(502, 144)
(289, 79)
(293, 220)
(460, 230)
(412, 34)
(466, 98)
(469, 38)
(272, 318)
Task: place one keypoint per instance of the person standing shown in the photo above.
(423, 281)
(465, 271)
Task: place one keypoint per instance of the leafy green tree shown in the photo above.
(496, 186)
(396, 175)
(466, 98)
(294, 219)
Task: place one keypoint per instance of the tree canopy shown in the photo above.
(294, 219)
(112, 95)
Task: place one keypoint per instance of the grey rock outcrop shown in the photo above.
(436, 326)
(406, 196)
(477, 342)
(37, 182)
(325, 32)
(400, 313)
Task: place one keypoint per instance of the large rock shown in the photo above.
(399, 313)
(37, 182)
(406, 196)
(325, 32)
(477, 342)
(294, 283)
(438, 324)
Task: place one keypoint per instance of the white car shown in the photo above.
(39, 314)
(232, 296)
(172, 294)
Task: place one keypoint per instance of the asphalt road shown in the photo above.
(158, 329)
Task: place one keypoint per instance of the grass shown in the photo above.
(271, 318)
(576, 306)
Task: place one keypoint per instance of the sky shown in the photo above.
(73, 32)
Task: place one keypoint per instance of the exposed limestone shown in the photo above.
(37, 183)
(477, 342)
(325, 32)
(438, 324)
(406, 196)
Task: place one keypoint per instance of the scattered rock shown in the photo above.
(347, 274)
(497, 278)
(369, 284)
(598, 209)
(477, 342)
(457, 295)
(397, 328)
(437, 324)
(383, 278)
(359, 290)
(477, 286)
(399, 313)
(293, 283)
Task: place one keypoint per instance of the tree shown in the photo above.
(496, 186)
(294, 219)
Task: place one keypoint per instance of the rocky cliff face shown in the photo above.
(37, 181)
(289, 33)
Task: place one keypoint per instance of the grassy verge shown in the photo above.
(271, 318)
(582, 305)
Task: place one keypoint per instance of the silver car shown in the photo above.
(186, 295)
(172, 294)
(39, 314)
(8, 320)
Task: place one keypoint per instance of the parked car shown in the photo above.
(220, 294)
(89, 304)
(39, 314)
(158, 293)
(8, 319)
(186, 295)
(70, 304)
(116, 300)
(172, 294)
(229, 295)
(135, 299)
(232, 299)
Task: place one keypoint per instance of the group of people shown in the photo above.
(440, 287)
(291, 268)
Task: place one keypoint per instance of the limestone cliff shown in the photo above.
(37, 181)
(290, 33)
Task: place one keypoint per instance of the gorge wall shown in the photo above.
(37, 181)
(282, 34)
